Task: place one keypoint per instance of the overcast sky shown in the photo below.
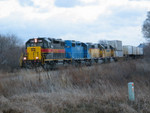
(82, 20)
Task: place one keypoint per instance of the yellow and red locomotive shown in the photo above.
(42, 50)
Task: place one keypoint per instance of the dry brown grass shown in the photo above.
(96, 89)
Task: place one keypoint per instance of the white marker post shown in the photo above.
(131, 91)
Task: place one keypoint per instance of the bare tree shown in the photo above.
(146, 27)
(10, 51)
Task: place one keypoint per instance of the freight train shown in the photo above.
(49, 52)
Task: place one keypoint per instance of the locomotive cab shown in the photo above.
(33, 48)
(42, 50)
(34, 55)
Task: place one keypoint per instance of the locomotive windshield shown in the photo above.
(39, 43)
(34, 44)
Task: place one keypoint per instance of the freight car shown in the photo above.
(49, 52)
(132, 52)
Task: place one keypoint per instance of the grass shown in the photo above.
(95, 89)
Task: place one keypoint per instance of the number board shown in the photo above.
(32, 49)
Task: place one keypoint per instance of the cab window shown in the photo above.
(39, 44)
(28, 45)
(45, 45)
(73, 44)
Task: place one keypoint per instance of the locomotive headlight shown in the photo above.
(37, 58)
(35, 40)
(24, 58)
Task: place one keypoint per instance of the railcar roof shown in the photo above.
(48, 39)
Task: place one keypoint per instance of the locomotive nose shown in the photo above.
(34, 53)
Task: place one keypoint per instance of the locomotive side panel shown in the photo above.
(74, 50)
(58, 49)
(95, 52)
(68, 48)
